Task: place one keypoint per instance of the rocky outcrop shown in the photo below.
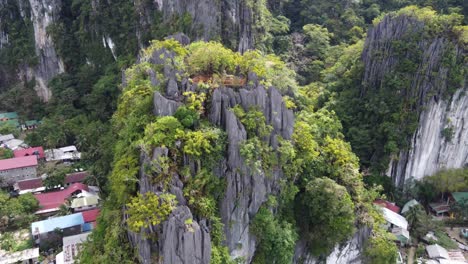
(247, 190)
(179, 239)
(431, 149)
(428, 91)
(49, 64)
(349, 252)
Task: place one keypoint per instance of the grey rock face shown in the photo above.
(349, 252)
(164, 106)
(430, 151)
(246, 190)
(43, 13)
(182, 241)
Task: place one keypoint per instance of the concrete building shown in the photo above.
(33, 185)
(85, 203)
(17, 169)
(47, 230)
(26, 256)
(71, 248)
(65, 154)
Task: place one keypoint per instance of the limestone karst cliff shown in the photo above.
(52, 24)
(410, 92)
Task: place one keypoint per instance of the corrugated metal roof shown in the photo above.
(6, 137)
(52, 200)
(91, 215)
(85, 201)
(15, 257)
(9, 115)
(58, 222)
(76, 177)
(29, 184)
(388, 205)
(437, 252)
(394, 218)
(460, 196)
(14, 163)
(408, 205)
(38, 151)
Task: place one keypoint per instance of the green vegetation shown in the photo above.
(325, 214)
(149, 209)
(17, 212)
(276, 239)
(322, 195)
(6, 153)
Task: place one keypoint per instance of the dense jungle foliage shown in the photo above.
(309, 50)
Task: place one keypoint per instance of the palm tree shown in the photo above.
(64, 210)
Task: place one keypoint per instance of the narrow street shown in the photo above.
(411, 252)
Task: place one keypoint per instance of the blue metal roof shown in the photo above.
(57, 222)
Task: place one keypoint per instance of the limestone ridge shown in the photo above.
(430, 151)
(245, 191)
(428, 87)
(40, 14)
(230, 21)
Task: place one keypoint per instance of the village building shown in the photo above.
(437, 252)
(15, 144)
(30, 125)
(8, 116)
(408, 205)
(402, 235)
(17, 169)
(391, 206)
(85, 203)
(50, 202)
(71, 248)
(65, 154)
(34, 185)
(393, 219)
(36, 151)
(54, 228)
(26, 256)
(459, 197)
(91, 216)
(75, 177)
(5, 138)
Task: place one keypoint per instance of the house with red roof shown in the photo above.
(75, 177)
(29, 186)
(90, 216)
(17, 169)
(37, 151)
(391, 206)
(50, 202)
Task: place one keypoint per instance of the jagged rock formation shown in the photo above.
(429, 150)
(247, 190)
(186, 237)
(209, 19)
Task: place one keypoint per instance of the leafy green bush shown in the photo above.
(200, 142)
(210, 57)
(149, 209)
(380, 247)
(189, 118)
(276, 240)
(325, 213)
(163, 132)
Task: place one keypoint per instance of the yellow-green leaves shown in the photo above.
(200, 142)
(149, 209)
(211, 57)
(161, 133)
